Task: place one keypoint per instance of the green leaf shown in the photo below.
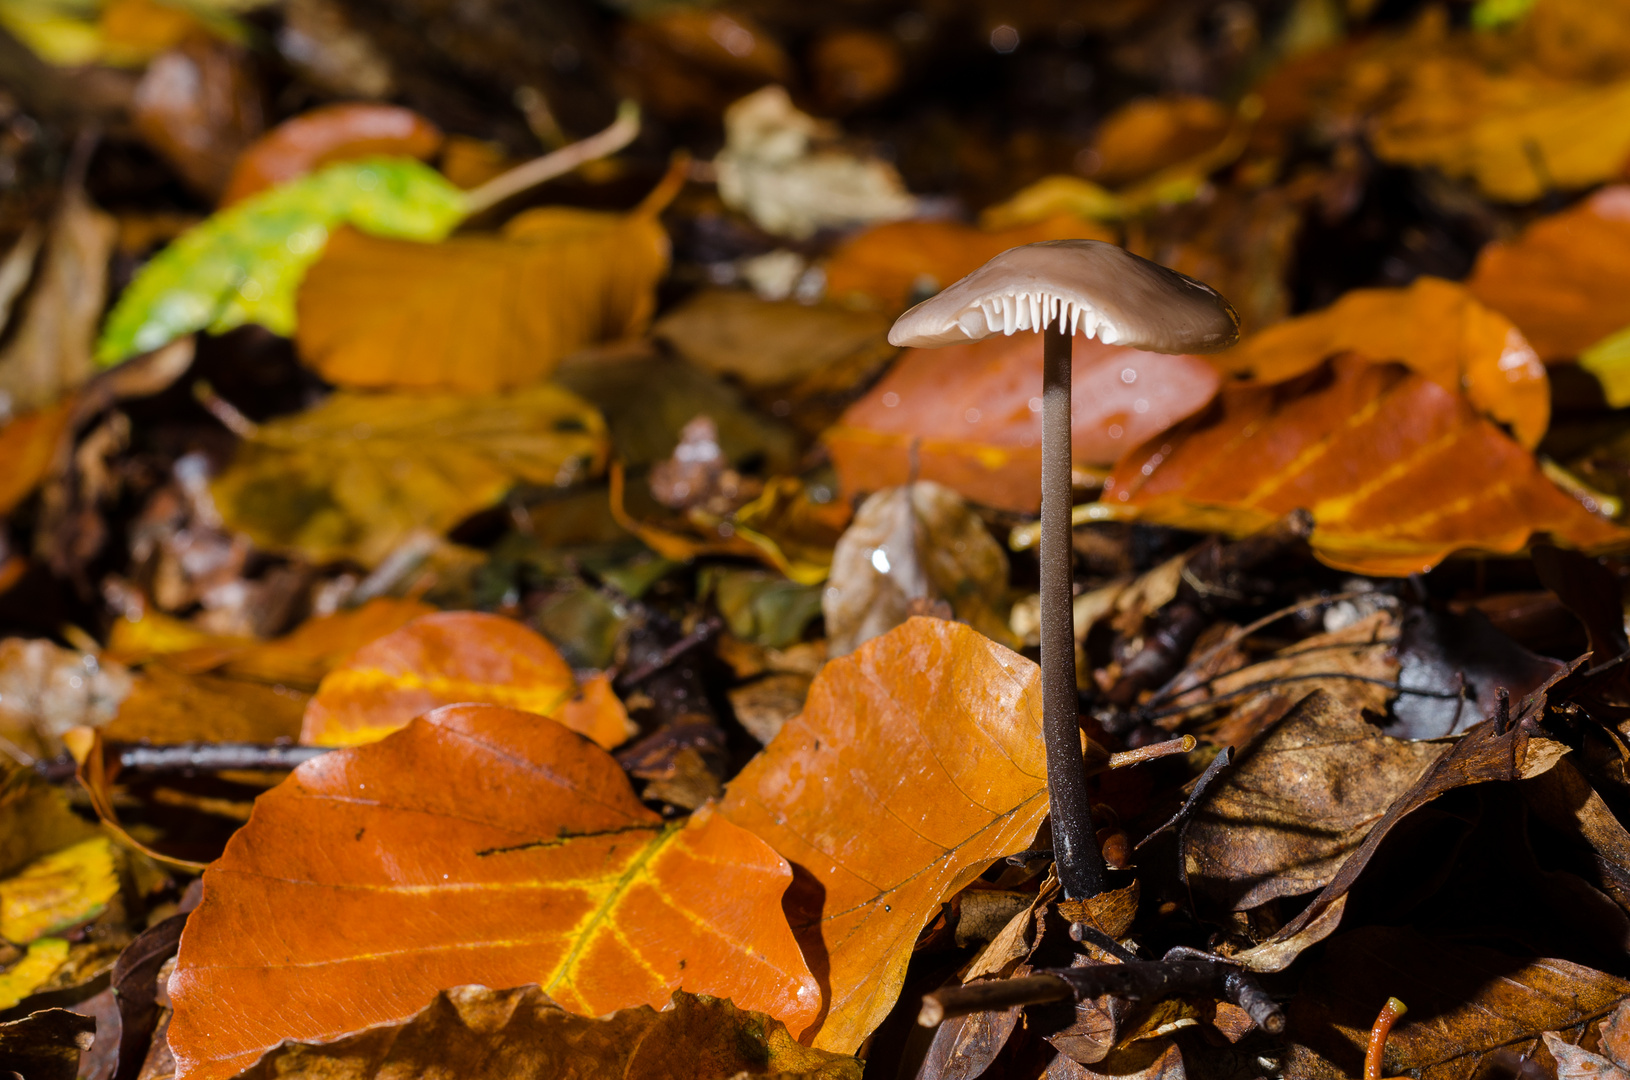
(1609, 361)
(244, 264)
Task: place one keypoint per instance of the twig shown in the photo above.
(224, 411)
(1219, 763)
(1142, 980)
(699, 636)
(622, 131)
(211, 757)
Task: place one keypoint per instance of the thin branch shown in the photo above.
(1263, 684)
(622, 131)
(201, 757)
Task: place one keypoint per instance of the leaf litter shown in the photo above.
(506, 570)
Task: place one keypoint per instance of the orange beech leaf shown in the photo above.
(347, 132)
(1435, 327)
(888, 263)
(451, 657)
(969, 410)
(916, 763)
(1398, 472)
(27, 446)
(476, 845)
(1565, 281)
(476, 314)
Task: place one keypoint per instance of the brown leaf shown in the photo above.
(889, 264)
(1465, 1003)
(1298, 800)
(28, 446)
(46, 689)
(1149, 134)
(1398, 472)
(1434, 327)
(1565, 279)
(452, 657)
(324, 135)
(907, 547)
(915, 764)
(46, 1045)
(167, 706)
(197, 105)
(1574, 1063)
(478, 844)
(49, 354)
(477, 314)
(1480, 756)
(520, 1034)
(972, 412)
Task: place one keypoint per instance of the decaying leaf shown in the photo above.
(447, 658)
(322, 136)
(1434, 327)
(972, 413)
(170, 706)
(890, 264)
(46, 689)
(58, 891)
(1397, 472)
(1466, 1003)
(354, 476)
(767, 343)
(916, 763)
(908, 547)
(244, 264)
(28, 445)
(49, 354)
(1298, 800)
(46, 1045)
(197, 105)
(1576, 1063)
(520, 1034)
(478, 314)
(478, 844)
(1564, 279)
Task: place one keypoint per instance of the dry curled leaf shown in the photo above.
(46, 690)
(451, 657)
(973, 415)
(1397, 472)
(1434, 327)
(476, 314)
(519, 1034)
(355, 476)
(916, 763)
(345, 132)
(476, 845)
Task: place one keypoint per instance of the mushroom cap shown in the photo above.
(1089, 286)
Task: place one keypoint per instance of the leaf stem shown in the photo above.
(622, 131)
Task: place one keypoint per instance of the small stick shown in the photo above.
(1502, 711)
(1390, 1012)
(211, 757)
(1152, 752)
(699, 636)
(1142, 980)
(621, 132)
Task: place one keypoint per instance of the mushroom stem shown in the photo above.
(1075, 842)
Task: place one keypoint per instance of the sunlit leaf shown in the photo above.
(244, 264)
(322, 136)
(446, 658)
(58, 891)
(916, 763)
(354, 476)
(476, 845)
(1398, 472)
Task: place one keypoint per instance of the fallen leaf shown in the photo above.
(1150, 134)
(1467, 661)
(37, 967)
(361, 867)
(46, 1045)
(520, 1034)
(764, 343)
(444, 659)
(1480, 756)
(931, 737)
(324, 45)
(972, 412)
(322, 136)
(1434, 327)
(764, 706)
(1574, 1063)
(761, 606)
(244, 264)
(1465, 1002)
(353, 477)
(198, 105)
(776, 168)
(1397, 472)
(58, 891)
(1297, 801)
(887, 265)
(851, 67)
(479, 314)
(168, 706)
(909, 546)
(46, 689)
(49, 353)
(1565, 279)
(28, 446)
(690, 63)
(1579, 39)
(35, 819)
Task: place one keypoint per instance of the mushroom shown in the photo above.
(1065, 287)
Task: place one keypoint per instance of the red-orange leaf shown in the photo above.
(1397, 471)
(347, 132)
(452, 657)
(1435, 327)
(916, 763)
(27, 446)
(973, 413)
(477, 845)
